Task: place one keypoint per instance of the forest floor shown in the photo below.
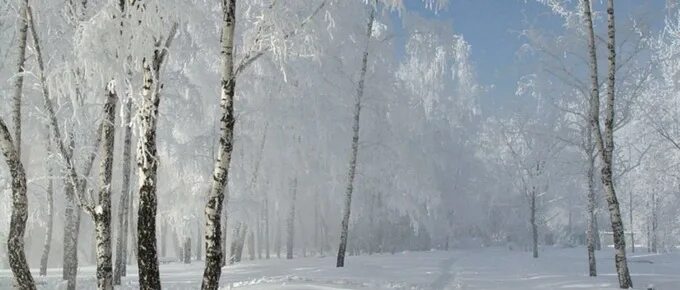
(490, 268)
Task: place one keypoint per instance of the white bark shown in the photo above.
(344, 227)
(147, 164)
(102, 212)
(213, 209)
(591, 230)
(120, 269)
(606, 142)
(124, 205)
(19, 79)
(50, 209)
(15, 238)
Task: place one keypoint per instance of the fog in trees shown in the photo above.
(364, 144)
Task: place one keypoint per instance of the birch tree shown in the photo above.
(50, 207)
(147, 164)
(290, 221)
(15, 241)
(125, 210)
(77, 184)
(101, 213)
(213, 209)
(19, 80)
(344, 226)
(606, 143)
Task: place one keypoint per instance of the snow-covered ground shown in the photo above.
(492, 268)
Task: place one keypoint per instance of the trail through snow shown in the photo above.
(490, 268)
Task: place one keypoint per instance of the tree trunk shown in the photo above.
(260, 232)
(75, 185)
(344, 227)
(630, 218)
(654, 222)
(164, 238)
(213, 209)
(234, 243)
(19, 80)
(187, 251)
(147, 164)
(133, 230)
(225, 228)
(241, 243)
(120, 269)
(291, 221)
(50, 209)
(606, 144)
(71, 231)
(199, 244)
(15, 238)
(266, 226)
(277, 240)
(102, 212)
(316, 221)
(251, 245)
(122, 243)
(591, 230)
(534, 226)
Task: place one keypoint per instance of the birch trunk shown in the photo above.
(534, 226)
(122, 243)
(19, 80)
(266, 226)
(213, 208)
(15, 238)
(591, 230)
(630, 219)
(71, 231)
(291, 222)
(50, 210)
(102, 212)
(654, 222)
(344, 227)
(120, 269)
(147, 164)
(606, 142)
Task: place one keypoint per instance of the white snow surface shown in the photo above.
(490, 268)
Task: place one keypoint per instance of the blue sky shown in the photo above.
(491, 27)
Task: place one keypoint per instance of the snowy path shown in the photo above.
(471, 269)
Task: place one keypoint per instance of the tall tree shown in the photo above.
(120, 268)
(101, 212)
(75, 183)
(147, 163)
(19, 80)
(12, 152)
(291, 221)
(213, 209)
(606, 143)
(15, 239)
(122, 243)
(344, 226)
(50, 207)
